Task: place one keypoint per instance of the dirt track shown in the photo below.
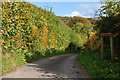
(56, 67)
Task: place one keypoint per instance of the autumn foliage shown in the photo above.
(29, 31)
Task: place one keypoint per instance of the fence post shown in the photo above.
(102, 47)
(111, 45)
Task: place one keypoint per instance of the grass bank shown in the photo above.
(98, 68)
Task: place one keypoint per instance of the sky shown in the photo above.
(81, 8)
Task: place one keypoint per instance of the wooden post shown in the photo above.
(111, 45)
(102, 48)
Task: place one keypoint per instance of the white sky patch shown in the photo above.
(88, 6)
(91, 11)
(88, 9)
(90, 14)
(74, 13)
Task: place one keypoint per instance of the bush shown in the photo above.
(98, 68)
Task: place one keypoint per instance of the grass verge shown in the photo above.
(98, 68)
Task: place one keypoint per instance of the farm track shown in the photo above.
(54, 68)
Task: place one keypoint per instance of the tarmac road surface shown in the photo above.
(54, 68)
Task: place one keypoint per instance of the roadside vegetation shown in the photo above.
(30, 33)
(90, 58)
(97, 68)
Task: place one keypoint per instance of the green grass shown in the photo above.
(98, 68)
(12, 61)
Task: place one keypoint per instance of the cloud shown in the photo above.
(74, 13)
(88, 14)
(88, 9)
(85, 15)
(89, 6)
(91, 11)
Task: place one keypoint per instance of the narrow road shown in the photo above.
(57, 67)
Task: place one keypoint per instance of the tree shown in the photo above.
(109, 20)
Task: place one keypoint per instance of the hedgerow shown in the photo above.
(28, 30)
